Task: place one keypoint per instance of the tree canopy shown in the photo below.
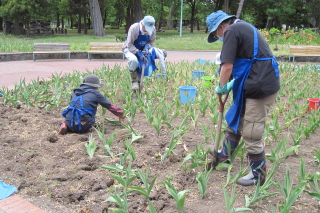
(116, 13)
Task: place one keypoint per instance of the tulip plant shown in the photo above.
(288, 127)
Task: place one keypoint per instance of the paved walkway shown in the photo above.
(15, 204)
(12, 71)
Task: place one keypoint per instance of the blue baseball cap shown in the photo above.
(148, 22)
(213, 22)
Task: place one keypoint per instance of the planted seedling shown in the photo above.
(91, 146)
(179, 197)
(202, 178)
(231, 200)
(289, 193)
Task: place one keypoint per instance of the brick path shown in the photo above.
(15, 204)
(12, 71)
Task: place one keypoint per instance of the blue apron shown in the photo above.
(77, 112)
(241, 71)
(150, 67)
(139, 43)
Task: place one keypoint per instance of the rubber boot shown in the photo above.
(63, 128)
(231, 138)
(135, 79)
(258, 169)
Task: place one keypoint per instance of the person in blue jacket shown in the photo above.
(250, 70)
(80, 115)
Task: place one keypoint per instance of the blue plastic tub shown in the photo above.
(197, 74)
(187, 94)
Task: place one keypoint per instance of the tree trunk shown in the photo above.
(269, 23)
(62, 23)
(16, 29)
(89, 22)
(226, 6)
(198, 25)
(137, 11)
(85, 27)
(71, 22)
(240, 8)
(169, 24)
(193, 8)
(128, 19)
(161, 15)
(134, 13)
(102, 10)
(79, 23)
(1, 21)
(58, 20)
(27, 27)
(105, 18)
(319, 25)
(97, 23)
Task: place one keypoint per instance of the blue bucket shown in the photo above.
(197, 74)
(187, 94)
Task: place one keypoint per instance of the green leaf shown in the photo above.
(118, 168)
(242, 209)
(291, 149)
(131, 179)
(91, 146)
(313, 194)
(119, 179)
(112, 121)
(151, 207)
(111, 199)
(152, 183)
(135, 137)
(139, 190)
(180, 203)
(173, 194)
(182, 193)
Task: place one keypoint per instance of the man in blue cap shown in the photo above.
(251, 71)
(140, 39)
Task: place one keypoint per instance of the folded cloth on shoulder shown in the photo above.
(6, 190)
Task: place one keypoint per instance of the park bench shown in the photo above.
(51, 48)
(105, 48)
(303, 51)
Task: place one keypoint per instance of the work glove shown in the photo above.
(142, 57)
(225, 89)
(146, 49)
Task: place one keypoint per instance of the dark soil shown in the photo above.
(55, 173)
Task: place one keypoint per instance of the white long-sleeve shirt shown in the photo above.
(160, 56)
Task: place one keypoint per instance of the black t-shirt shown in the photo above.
(239, 43)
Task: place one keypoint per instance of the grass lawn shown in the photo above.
(169, 40)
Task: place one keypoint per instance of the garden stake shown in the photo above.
(217, 140)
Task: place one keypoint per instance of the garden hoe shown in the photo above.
(142, 72)
(141, 78)
(214, 149)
